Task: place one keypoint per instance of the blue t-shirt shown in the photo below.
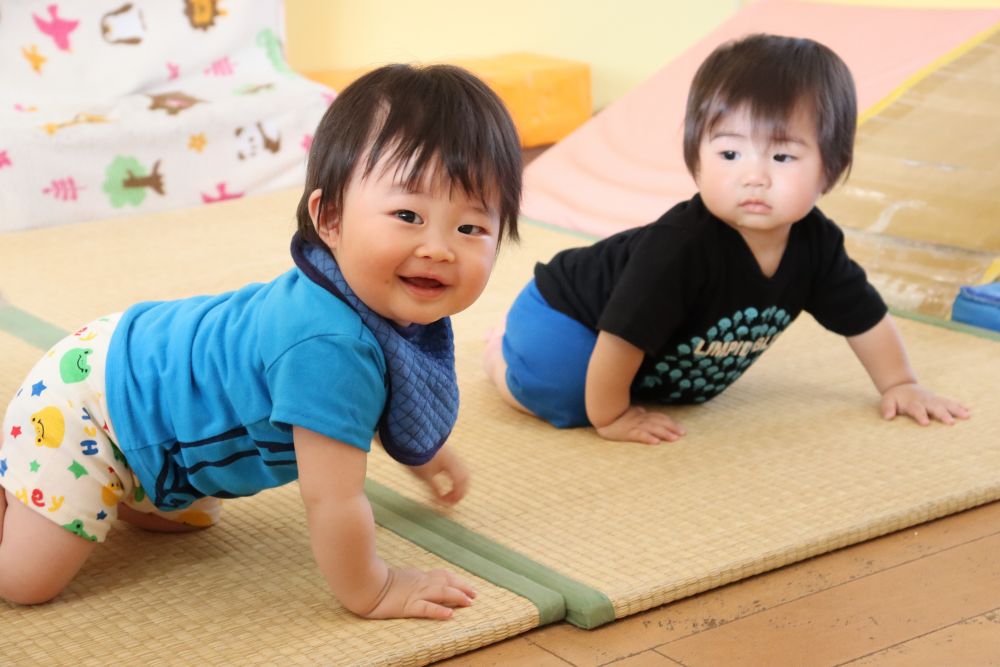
(203, 392)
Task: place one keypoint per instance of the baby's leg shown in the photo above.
(38, 557)
(201, 514)
(496, 368)
(539, 364)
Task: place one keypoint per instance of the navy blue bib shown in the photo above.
(423, 391)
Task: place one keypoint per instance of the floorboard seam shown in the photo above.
(830, 588)
(921, 635)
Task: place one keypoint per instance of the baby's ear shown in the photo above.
(326, 222)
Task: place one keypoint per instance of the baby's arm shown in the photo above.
(613, 365)
(881, 352)
(342, 532)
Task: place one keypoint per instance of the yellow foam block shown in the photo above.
(547, 97)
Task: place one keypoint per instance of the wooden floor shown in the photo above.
(928, 595)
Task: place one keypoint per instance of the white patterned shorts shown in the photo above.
(57, 449)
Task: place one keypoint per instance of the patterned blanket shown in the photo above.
(110, 106)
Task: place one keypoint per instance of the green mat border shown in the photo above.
(32, 330)
(952, 325)
(585, 607)
(550, 604)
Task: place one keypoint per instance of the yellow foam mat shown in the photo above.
(547, 97)
(791, 461)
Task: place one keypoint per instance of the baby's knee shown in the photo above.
(25, 591)
(38, 558)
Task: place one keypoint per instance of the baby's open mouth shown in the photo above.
(423, 283)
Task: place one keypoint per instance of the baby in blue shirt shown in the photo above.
(152, 415)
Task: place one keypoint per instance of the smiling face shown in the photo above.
(411, 255)
(758, 183)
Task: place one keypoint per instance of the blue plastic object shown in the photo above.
(978, 306)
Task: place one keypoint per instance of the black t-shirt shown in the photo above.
(688, 291)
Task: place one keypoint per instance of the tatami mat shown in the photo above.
(71, 274)
(16, 359)
(245, 592)
(791, 461)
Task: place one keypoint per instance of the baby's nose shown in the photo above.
(755, 175)
(434, 246)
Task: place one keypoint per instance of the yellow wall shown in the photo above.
(624, 41)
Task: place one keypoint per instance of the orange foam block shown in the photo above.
(547, 97)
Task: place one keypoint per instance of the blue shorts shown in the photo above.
(547, 354)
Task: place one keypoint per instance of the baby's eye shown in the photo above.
(784, 157)
(729, 155)
(408, 216)
(474, 230)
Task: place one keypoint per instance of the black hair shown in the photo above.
(418, 118)
(772, 76)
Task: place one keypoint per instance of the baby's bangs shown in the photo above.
(424, 150)
(769, 113)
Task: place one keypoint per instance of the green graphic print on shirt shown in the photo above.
(702, 367)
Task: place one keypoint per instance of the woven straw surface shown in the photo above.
(791, 461)
(245, 591)
(72, 274)
(16, 359)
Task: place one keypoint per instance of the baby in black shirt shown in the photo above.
(676, 310)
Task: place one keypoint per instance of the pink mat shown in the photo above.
(625, 167)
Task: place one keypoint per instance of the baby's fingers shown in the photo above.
(945, 411)
(427, 609)
(449, 489)
(645, 436)
(451, 596)
(456, 582)
(918, 411)
(662, 427)
(669, 424)
(941, 412)
(957, 409)
(442, 587)
(662, 433)
(436, 601)
(890, 408)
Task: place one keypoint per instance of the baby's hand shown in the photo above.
(410, 593)
(921, 404)
(445, 464)
(639, 425)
